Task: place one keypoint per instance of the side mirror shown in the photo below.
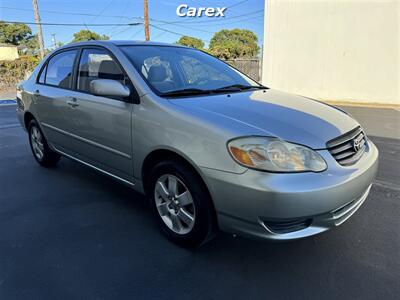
(109, 87)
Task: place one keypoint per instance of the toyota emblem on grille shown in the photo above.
(356, 145)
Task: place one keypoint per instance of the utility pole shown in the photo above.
(53, 39)
(146, 20)
(39, 27)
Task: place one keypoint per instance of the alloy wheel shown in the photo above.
(37, 143)
(174, 204)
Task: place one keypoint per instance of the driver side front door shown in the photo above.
(101, 125)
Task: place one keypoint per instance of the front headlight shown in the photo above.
(274, 155)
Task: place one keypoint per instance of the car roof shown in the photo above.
(122, 43)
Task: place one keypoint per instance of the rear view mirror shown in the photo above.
(109, 87)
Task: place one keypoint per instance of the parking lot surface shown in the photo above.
(71, 233)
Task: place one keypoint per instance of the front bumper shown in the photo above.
(291, 206)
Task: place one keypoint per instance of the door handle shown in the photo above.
(73, 102)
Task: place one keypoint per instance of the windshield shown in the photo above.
(176, 71)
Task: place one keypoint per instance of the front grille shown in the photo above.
(287, 225)
(349, 147)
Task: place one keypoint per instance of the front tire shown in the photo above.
(40, 149)
(181, 204)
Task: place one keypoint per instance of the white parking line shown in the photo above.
(9, 126)
(387, 185)
(7, 102)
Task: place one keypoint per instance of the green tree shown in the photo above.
(14, 33)
(59, 44)
(21, 36)
(235, 43)
(87, 35)
(191, 42)
(29, 46)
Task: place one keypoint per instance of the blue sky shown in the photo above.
(244, 14)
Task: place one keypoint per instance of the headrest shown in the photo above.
(108, 69)
(157, 73)
(63, 72)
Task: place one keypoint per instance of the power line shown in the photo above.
(64, 13)
(233, 22)
(229, 6)
(219, 24)
(193, 28)
(73, 24)
(119, 32)
(129, 18)
(135, 33)
(160, 34)
(188, 22)
(91, 14)
(102, 11)
(172, 23)
(123, 12)
(237, 4)
(173, 32)
(226, 18)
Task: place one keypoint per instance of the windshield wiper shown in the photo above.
(186, 92)
(241, 87)
(229, 88)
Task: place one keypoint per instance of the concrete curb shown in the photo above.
(362, 104)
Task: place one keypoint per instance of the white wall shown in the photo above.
(8, 53)
(333, 50)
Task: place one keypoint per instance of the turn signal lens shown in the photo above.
(242, 156)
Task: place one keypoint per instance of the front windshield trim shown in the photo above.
(208, 94)
(161, 94)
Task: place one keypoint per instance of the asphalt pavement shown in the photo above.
(71, 233)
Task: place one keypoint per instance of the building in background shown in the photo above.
(333, 50)
(8, 52)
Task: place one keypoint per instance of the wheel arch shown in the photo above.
(160, 155)
(28, 117)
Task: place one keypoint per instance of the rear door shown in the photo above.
(101, 125)
(53, 95)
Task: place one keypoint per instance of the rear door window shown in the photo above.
(59, 69)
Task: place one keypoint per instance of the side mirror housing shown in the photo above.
(109, 87)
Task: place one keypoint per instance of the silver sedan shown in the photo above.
(210, 147)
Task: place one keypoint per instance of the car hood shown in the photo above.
(273, 113)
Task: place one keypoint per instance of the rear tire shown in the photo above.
(181, 204)
(40, 149)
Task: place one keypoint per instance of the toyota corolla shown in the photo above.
(210, 147)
